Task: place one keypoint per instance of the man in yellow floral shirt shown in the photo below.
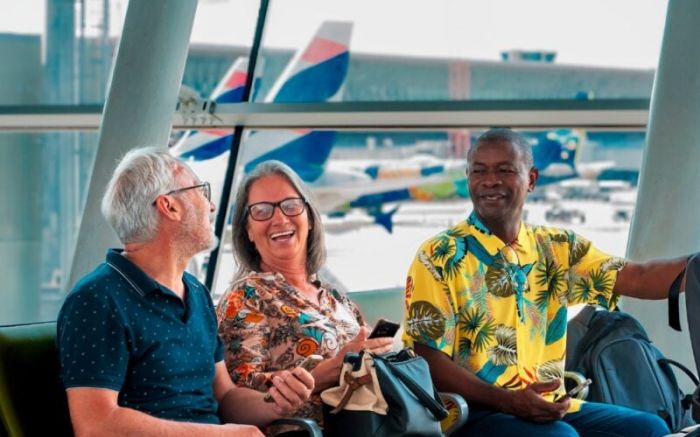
(486, 305)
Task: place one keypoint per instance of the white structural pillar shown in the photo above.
(667, 217)
(139, 108)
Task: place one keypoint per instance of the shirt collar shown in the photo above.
(523, 244)
(137, 278)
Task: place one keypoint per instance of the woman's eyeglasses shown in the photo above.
(291, 206)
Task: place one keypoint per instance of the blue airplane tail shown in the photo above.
(385, 219)
(306, 155)
(556, 147)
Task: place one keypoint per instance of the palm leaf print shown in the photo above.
(583, 290)
(579, 247)
(498, 280)
(442, 248)
(505, 351)
(434, 271)
(453, 263)
(551, 276)
(613, 263)
(544, 244)
(560, 238)
(550, 370)
(455, 233)
(485, 335)
(425, 321)
(465, 347)
(476, 324)
(601, 281)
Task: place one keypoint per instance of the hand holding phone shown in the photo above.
(384, 328)
(310, 362)
(574, 391)
(307, 364)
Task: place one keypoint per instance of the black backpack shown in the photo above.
(612, 348)
(692, 302)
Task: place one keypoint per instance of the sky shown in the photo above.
(615, 33)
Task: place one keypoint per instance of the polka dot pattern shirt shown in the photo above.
(121, 330)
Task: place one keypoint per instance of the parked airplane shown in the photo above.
(314, 74)
(317, 73)
(554, 154)
(209, 143)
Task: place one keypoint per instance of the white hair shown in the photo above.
(141, 176)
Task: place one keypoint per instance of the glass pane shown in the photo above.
(445, 50)
(44, 180)
(61, 50)
(80, 40)
(222, 35)
(382, 193)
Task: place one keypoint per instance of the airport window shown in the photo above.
(382, 193)
(222, 34)
(503, 50)
(42, 196)
(354, 52)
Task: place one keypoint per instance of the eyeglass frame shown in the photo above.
(277, 205)
(206, 191)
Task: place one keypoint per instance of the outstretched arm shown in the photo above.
(649, 280)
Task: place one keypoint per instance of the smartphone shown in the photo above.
(574, 391)
(310, 362)
(384, 328)
(307, 364)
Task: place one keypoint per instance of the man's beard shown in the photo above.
(213, 242)
(193, 237)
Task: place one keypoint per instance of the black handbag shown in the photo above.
(383, 395)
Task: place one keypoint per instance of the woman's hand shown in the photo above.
(327, 373)
(290, 390)
(361, 342)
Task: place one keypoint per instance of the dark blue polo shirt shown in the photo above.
(119, 329)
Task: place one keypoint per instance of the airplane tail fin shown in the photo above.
(304, 151)
(230, 88)
(556, 147)
(317, 72)
(210, 143)
(385, 219)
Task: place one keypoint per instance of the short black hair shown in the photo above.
(499, 134)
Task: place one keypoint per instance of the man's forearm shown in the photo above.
(126, 421)
(449, 376)
(650, 280)
(244, 405)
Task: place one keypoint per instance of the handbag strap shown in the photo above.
(674, 318)
(438, 410)
(352, 385)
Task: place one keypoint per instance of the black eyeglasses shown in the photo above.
(291, 206)
(206, 190)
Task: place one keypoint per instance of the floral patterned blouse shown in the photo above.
(266, 325)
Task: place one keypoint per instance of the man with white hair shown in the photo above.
(137, 336)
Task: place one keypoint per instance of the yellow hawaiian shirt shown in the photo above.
(500, 309)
